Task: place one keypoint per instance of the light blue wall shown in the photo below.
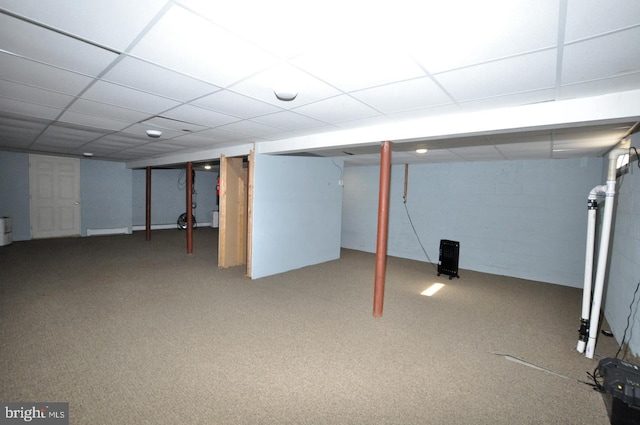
(524, 219)
(105, 193)
(624, 269)
(168, 196)
(14, 192)
(297, 205)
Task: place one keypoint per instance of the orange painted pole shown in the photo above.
(383, 225)
(147, 221)
(189, 208)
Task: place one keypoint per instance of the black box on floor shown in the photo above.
(449, 255)
(621, 391)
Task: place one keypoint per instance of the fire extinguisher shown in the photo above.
(218, 186)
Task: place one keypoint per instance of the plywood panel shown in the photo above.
(232, 241)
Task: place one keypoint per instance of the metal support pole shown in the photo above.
(383, 222)
(189, 208)
(148, 206)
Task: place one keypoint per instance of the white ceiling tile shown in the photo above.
(250, 128)
(262, 85)
(15, 141)
(92, 121)
(235, 104)
(349, 71)
(216, 136)
(52, 48)
(122, 140)
(595, 59)
(113, 23)
(98, 149)
(477, 153)
(18, 125)
(19, 133)
(289, 121)
(149, 149)
(530, 72)
(91, 107)
(269, 24)
(170, 144)
(153, 79)
(507, 100)
(28, 109)
(586, 18)
(189, 44)
(525, 149)
(367, 121)
(441, 155)
(125, 97)
(520, 138)
(403, 96)
(599, 87)
(66, 137)
(337, 109)
(455, 34)
(194, 140)
(24, 71)
(201, 116)
(173, 124)
(583, 139)
(34, 94)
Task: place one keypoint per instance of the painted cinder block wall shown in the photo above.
(525, 218)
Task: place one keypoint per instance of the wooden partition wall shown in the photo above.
(232, 240)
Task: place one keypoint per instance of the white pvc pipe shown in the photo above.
(588, 269)
(604, 250)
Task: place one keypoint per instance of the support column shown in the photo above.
(147, 221)
(189, 208)
(383, 225)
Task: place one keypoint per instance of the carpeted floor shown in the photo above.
(130, 331)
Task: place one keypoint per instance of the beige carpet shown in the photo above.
(135, 332)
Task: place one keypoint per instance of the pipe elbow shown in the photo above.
(598, 190)
(615, 153)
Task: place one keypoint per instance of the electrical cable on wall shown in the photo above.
(404, 201)
(624, 335)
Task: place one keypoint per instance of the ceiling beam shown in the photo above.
(606, 109)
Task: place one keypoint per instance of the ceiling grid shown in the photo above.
(471, 82)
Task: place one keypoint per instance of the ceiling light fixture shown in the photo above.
(421, 151)
(286, 94)
(87, 154)
(154, 133)
(207, 167)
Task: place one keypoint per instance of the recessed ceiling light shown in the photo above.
(87, 154)
(207, 167)
(154, 133)
(421, 151)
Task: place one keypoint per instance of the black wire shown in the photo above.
(418, 237)
(637, 156)
(595, 376)
(624, 335)
(339, 168)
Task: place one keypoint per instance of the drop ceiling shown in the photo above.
(470, 81)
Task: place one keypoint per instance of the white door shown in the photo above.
(54, 186)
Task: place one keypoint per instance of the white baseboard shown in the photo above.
(113, 231)
(165, 226)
